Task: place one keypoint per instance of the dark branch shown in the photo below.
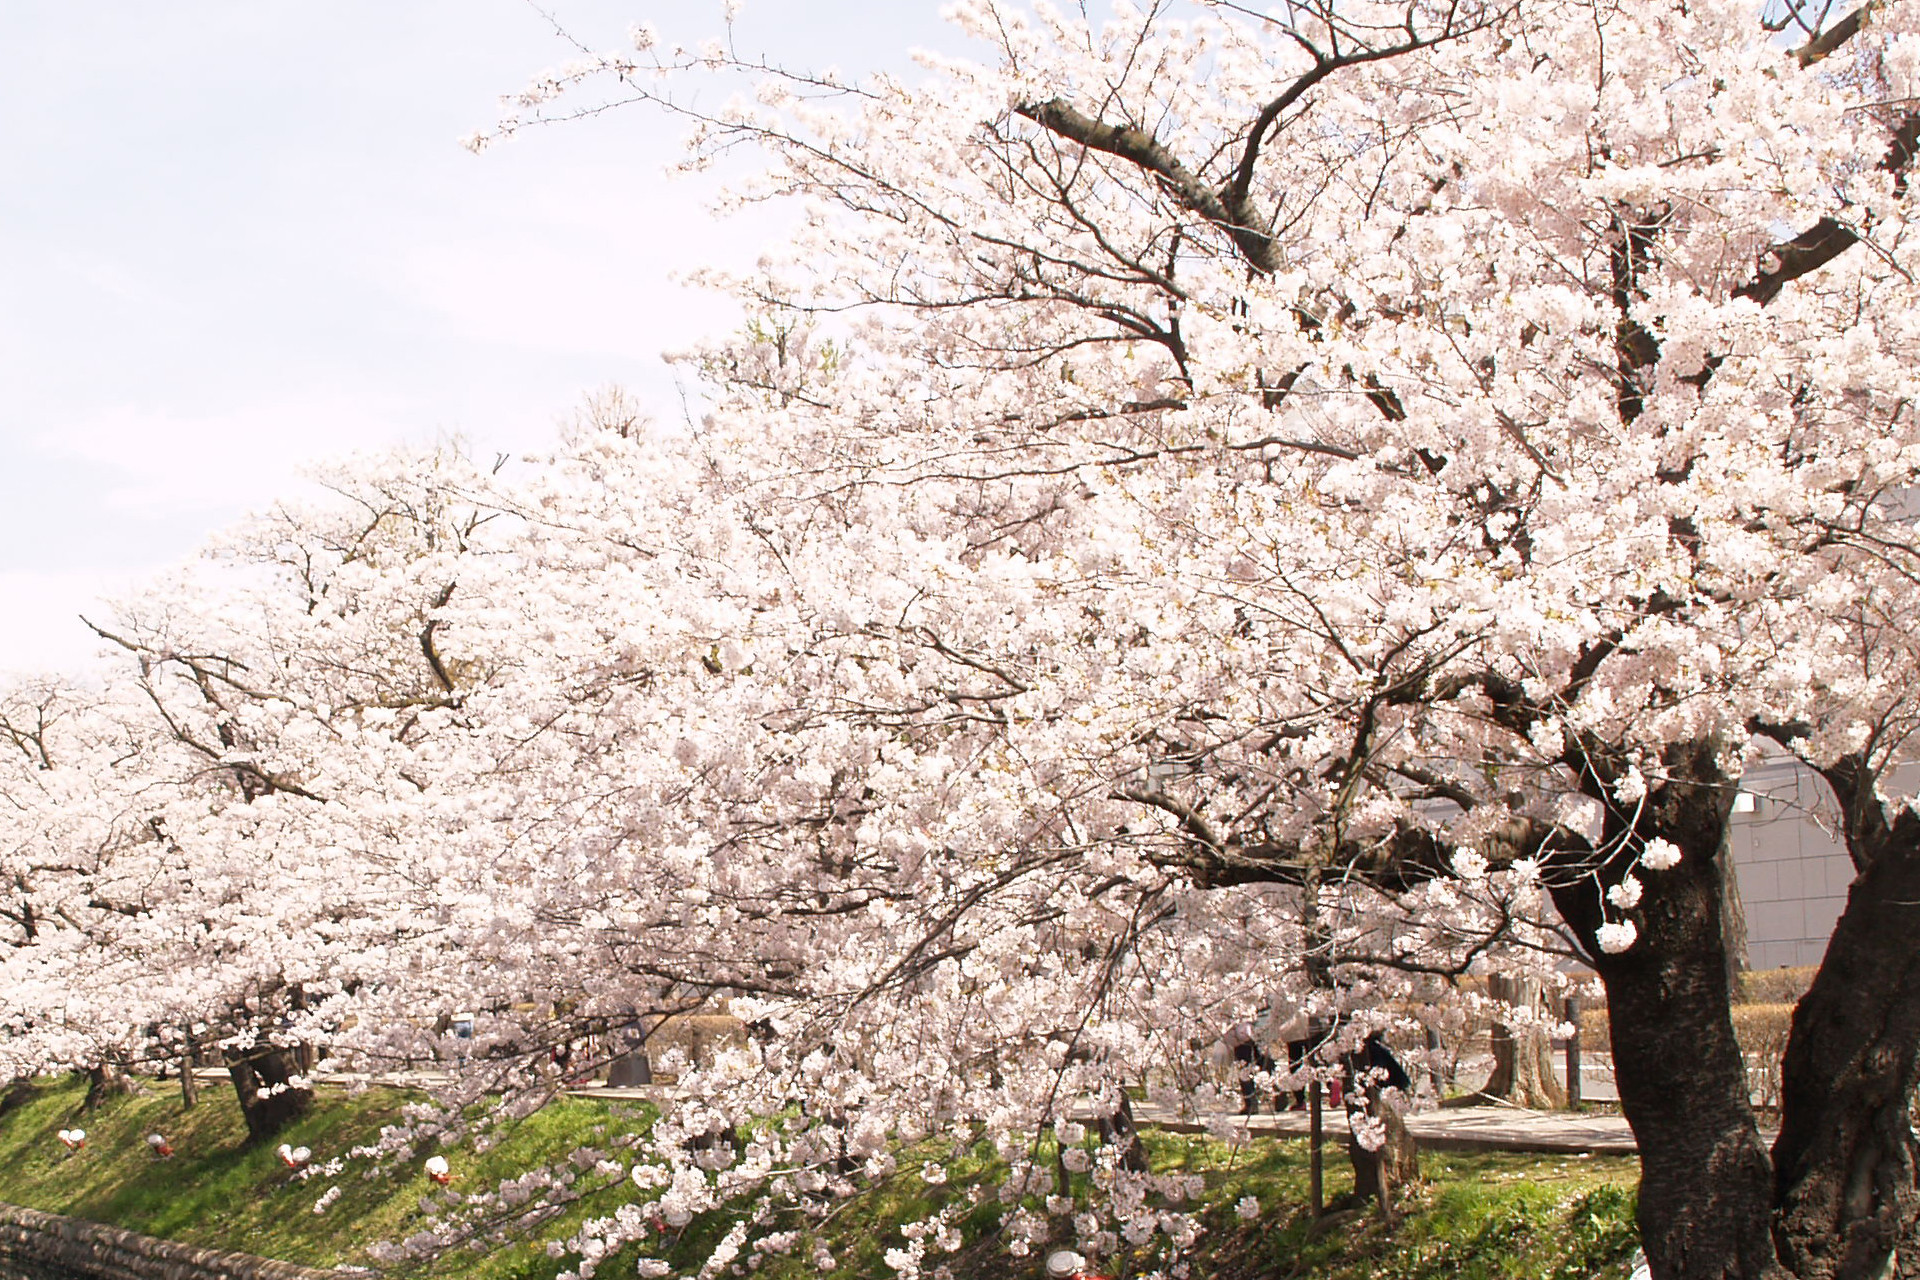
(1828, 238)
(1834, 36)
(1141, 148)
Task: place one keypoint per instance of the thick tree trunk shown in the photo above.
(1706, 1187)
(1118, 1129)
(1706, 1190)
(106, 1081)
(1848, 1164)
(1733, 915)
(260, 1077)
(1522, 1055)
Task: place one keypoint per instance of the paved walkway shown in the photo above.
(1461, 1128)
(1488, 1127)
(1479, 1128)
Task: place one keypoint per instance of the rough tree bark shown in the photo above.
(1733, 916)
(1118, 1129)
(1522, 1056)
(1706, 1187)
(107, 1080)
(258, 1076)
(1376, 1174)
(1847, 1162)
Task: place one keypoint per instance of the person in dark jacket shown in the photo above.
(1249, 1060)
(1376, 1060)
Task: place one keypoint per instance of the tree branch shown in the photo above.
(1828, 238)
(1141, 148)
(1835, 36)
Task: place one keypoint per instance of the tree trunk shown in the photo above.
(1376, 1174)
(1706, 1186)
(1733, 914)
(267, 1101)
(1118, 1129)
(189, 1060)
(106, 1081)
(1848, 1164)
(1522, 1055)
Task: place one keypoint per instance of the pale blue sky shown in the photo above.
(240, 235)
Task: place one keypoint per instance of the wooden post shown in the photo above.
(1573, 1053)
(189, 1059)
(1314, 1167)
(1383, 1187)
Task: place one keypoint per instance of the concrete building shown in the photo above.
(1791, 866)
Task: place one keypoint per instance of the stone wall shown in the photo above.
(46, 1246)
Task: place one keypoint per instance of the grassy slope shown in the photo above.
(1481, 1216)
(218, 1192)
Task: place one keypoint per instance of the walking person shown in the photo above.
(1250, 1062)
(1374, 1066)
(1287, 1023)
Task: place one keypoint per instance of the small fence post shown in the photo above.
(1313, 1149)
(1573, 1052)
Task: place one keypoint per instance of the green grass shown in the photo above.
(1478, 1216)
(218, 1192)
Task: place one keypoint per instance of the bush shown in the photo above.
(1776, 986)
(1761, 1029)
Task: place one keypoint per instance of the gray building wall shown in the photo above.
(1792, 870)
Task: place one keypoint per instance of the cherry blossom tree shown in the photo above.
(1214, 508)
(1437, 419)
(207, 850)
